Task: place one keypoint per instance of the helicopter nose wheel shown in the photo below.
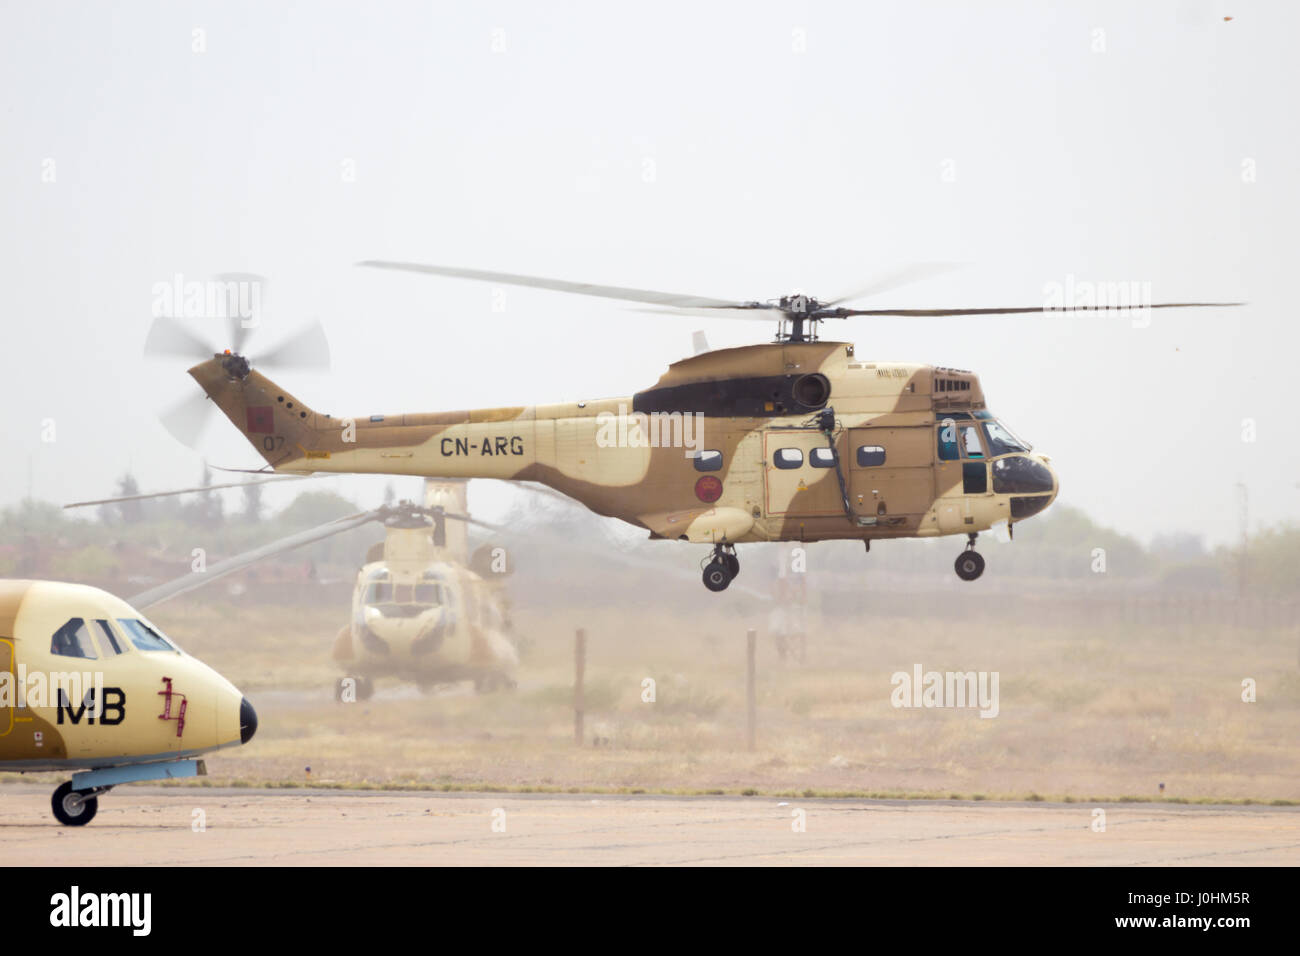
(970, 563)
(723, 567)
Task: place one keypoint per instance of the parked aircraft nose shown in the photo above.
(247, 721)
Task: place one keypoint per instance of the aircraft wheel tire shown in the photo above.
(717, 576)
(970, 565)
(732, 562)
(71, 808)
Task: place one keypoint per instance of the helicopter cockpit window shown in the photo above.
(970, 442)
(143, 636)
(948, 441)
(379, 592)
(73, 640)
(787, 458)
(822, 457)
(1002, 441)
(708, 460)
(428, 594)
(870, 455)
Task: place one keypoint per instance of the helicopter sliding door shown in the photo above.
(891, 474)
(800, 472)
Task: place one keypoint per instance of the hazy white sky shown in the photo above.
(731, 150)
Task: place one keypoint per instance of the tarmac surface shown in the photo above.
(247, 827)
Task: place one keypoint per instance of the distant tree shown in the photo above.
(252, 503)
(131, 512)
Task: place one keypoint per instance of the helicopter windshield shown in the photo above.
(1002, 440)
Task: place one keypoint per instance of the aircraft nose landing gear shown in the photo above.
(970, 563)
(722, 567)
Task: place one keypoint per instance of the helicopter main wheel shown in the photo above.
(731, 561)
(970, 565)
(73, 808)
(717, 575)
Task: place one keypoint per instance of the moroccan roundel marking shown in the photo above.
(708, 489)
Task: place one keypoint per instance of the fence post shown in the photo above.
(579, 669)
(751, 640)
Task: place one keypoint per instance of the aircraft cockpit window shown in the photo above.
(73, 640)
(948, 441)
(108, 641)
(970, 442)
(822, 457)
(428, 594)
(379, 592)
(1002, 441)
(708, 460)
(403, 593)
(787, 458)
(870, 455)
(143, 636)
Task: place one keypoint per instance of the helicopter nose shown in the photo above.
(247, 721)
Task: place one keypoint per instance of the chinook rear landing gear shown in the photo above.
(75, 808)
(722, 567)
(970, 563)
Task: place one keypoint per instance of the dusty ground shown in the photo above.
(155, 826)
(1086, 711)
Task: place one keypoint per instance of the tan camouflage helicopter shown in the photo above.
(423, 609)
(88, 683)
(795, 440)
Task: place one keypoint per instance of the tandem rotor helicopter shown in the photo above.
(423, 609)
(799, 439)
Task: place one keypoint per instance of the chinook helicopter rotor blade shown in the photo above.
(1046, 310)
(187, 491)
(245, 302)
(560, 285)
(193, 580)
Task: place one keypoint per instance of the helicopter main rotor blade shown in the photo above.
(561, 285)
(196, 579)
(305, 349)
(899, 277)
(1046, 310)
(186, 491)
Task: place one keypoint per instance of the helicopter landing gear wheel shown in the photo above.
(970, 565)
(723, 567)
(717, 576)
(73, 808)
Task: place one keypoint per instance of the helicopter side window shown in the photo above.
(108, 641)
(708, 460)
(870, 455)
(970, 442)
(948, 441)
(822, 457)
(143, 636)
(786, 458)
(73, 640)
